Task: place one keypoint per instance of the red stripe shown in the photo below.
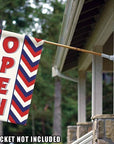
(19, 110)
(11, 119)
(38, 40)
(0, 31)
(31, 69)
(28, 84)
(31, 49)
(22, 95)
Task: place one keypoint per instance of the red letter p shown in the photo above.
(6, 64)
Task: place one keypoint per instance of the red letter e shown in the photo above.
(3, 85)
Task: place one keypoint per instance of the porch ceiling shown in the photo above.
(86, 23)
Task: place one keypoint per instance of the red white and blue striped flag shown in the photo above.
(19, 61)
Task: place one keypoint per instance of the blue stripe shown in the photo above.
(29, 79)
(16, 120)
(29, 60)
(36, 49)
(23, 109)
(22, 89)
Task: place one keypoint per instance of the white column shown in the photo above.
(97, 105)
(82, 97)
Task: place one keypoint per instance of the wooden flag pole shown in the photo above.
(73, 48)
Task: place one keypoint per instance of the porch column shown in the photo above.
(97, 105)
(82, 97)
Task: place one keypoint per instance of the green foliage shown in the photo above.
(16, 14)
(89, 94)
(108, 96)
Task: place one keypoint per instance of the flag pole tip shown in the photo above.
(110, 57)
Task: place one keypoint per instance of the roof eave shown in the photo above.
(70, 19)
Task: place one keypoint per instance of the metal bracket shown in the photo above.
(110, 57)
(55, 72)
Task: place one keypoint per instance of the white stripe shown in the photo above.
(37, 44)
(21, 119)
(30, 74)
(24, 104)
(9, 121)
(26, 88)
(33, 59)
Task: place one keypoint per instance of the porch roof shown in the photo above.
(86, 24)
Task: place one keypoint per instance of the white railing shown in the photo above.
(86, 139)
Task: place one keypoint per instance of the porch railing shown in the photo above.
(86, 139)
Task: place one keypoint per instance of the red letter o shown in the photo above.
(15, 45)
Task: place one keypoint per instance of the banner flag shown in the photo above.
(19, 61)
